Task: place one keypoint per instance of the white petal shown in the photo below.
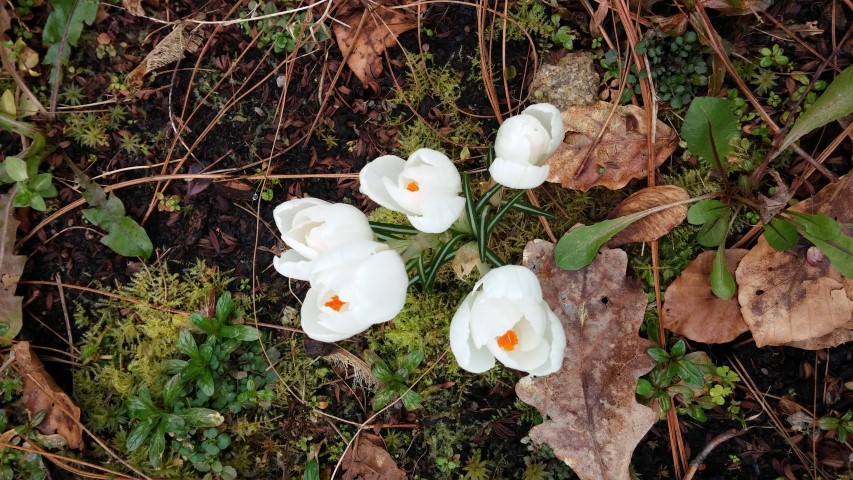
(514, 175)
(285, 212)
(468, 356)
(372, 178)
(316, 326)
(381, 283)
(551, 119)
(522, 360)
(522, 139)
(557, 348)
(447, 172)
(408, 202)
(351, 252)
(344, 223)
(511, 282)
(292, 265)
(438, 215)
(491, 318)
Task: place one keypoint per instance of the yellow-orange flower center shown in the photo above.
(335, 303)
(508, 340)
(413, 186)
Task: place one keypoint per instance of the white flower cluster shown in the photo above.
(357, 282)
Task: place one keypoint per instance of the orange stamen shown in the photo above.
(412, 187)
(508, 340)
(335, 303)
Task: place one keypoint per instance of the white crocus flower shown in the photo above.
(425, 187)
(310, 227)
(353, 286)
(505, 318)
(523, 144)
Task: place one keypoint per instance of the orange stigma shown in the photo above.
(412, 187)
(508, 341)
(336, 304)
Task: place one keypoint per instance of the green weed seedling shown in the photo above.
(173, 419)
(842, 426)
(394, 378)
(690, 378)
(31, 187)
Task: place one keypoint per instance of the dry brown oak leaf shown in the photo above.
(594, 423)
(11, 269)
(794, 297)
(364, 35)
(42, 393)
(692, 310)
(367, 460)
(606, 145)
(656, 225)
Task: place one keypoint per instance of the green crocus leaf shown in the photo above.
(781, 234)
(722, 281)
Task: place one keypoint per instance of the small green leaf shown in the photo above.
(205, 383)
(37, 202)
(411, 361)
(722, 282)
(16, 168)
(127, 238)
(820, 226)
(781, 234)
(141, 406)
(412, 400)
(171, 391)
(658, 354)
(382, 398)
(41, 182)
(578, 247)
(202, 418)
(207, 325)
(644, 387)
(383, 373)
(717, 113)
(186, 343)
(689, 373)
(137, 436)
(705, 210)
(312, 470)
(157, 445)
(243, 333)
(714, 232)
(679, 349)
(224, 306)
(835, 102)
(827, 423)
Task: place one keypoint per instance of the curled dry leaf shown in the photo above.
(594, 423)
(11, 268)
(606, 147)
(770, 206)
(42, 393)
(364, 35)
(791, 298)
(690, 308)
(367, 460)
(185, 37)
(739, 7)
(655, 225)
(133, 7)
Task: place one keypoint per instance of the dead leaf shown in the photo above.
(655, 225)
(363, 36)
(790, 298)
(367, 460)
(133, 7)
(594, 422)
(770, 206)
(737, 7)
(41, 393)
(690, 308)
(185, 37)
(584, 160)
(11, 269)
